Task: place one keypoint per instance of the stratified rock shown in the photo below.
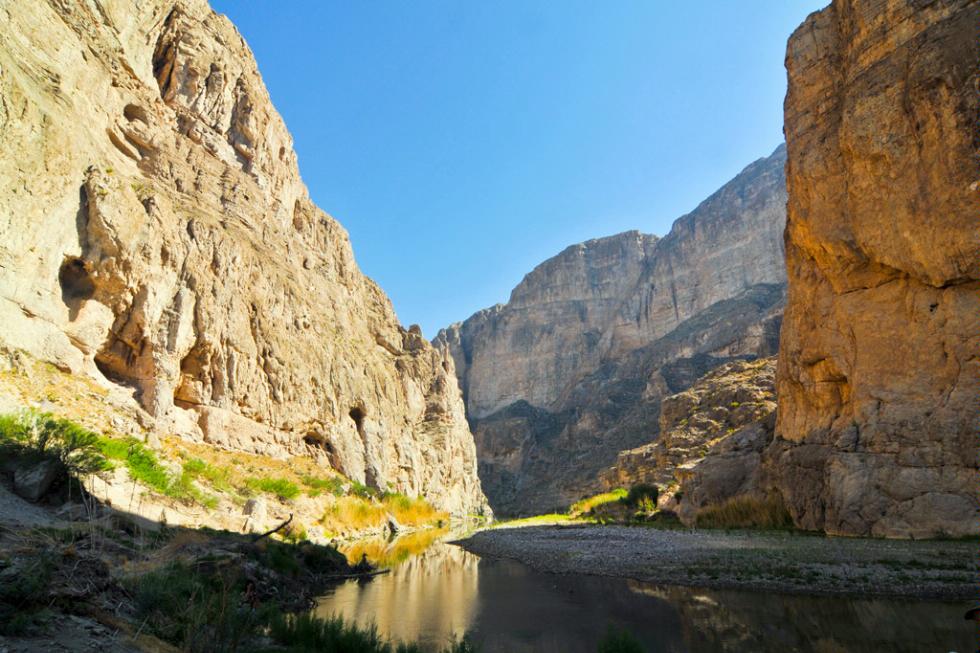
(879, 375)
(712, 440)
(572, 369)
(154, 229)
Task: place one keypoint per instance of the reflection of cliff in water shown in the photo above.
(430, 597)
(441, 591)
(740, 621)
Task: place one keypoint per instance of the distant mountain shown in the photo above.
(571, 370)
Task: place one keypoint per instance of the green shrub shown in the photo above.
(218, 477)
(197, 612)
(22, 602)
(642, 496)
(360, 490)
(616, 641)
(144, 467)
(37, 436)
(280, 487)
(333, 485)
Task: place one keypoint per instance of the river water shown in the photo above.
(436, 591)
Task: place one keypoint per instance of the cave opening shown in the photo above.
(316, 440)
(357, 414)
(76, 284)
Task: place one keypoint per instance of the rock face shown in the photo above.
(712, 440)
(879, 375)
(154, 229)
(572, 369)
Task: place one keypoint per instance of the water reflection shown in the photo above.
(429, 595)
(442, 591)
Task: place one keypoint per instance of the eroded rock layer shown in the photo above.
(712, 442)
(878, 375)
(154, 229)
(572, 369)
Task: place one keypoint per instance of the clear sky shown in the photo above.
(463, 142)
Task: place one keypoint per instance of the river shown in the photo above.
(436, 591)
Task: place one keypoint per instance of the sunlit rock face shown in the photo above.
(572, 369)
(878, 370)
(154, 229)
(711, 443)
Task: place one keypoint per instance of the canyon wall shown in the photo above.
(572, 369)
(155, 232)
(878, 369)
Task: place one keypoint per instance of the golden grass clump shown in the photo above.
(746, 512)
(412, 512)
(352, 513)
(385, 553)
(585, 506)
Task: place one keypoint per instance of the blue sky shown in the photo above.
(461, 143)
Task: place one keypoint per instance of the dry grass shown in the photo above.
(746, 512)
(350, 513)
(412, 512)
(549, 519)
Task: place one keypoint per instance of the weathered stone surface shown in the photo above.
(879, 375)
(154, 229)
(712, 440)
(34, 481)
(572, 369)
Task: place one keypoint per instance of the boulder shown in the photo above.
(32, 481)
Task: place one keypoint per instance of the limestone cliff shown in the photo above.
(154, 229)
(713, 437)
(572, 369)
(878, 373)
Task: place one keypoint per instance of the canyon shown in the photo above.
(158, 240)
(157, 237)
(572, 369)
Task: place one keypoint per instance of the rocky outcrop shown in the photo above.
(712, 441)
(878, 374)
(572, 369)
(154, 229)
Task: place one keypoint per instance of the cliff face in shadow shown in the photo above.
(572, 369)
(878, 370)
(154, 231)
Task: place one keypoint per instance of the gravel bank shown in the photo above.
(743, 560)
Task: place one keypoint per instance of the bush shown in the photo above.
(746, 512)
(586, 505)
(643, 497)
(197, 612)
(218, 477)
(358, 489)
(280, 487)
(144, 467)
(411, 512)
(351, 513)
(22, 602)
(617, 641)
(38, 436)
(316, 485)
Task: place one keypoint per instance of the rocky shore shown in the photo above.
(780, 562)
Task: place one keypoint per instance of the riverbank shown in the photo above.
(762, 561)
